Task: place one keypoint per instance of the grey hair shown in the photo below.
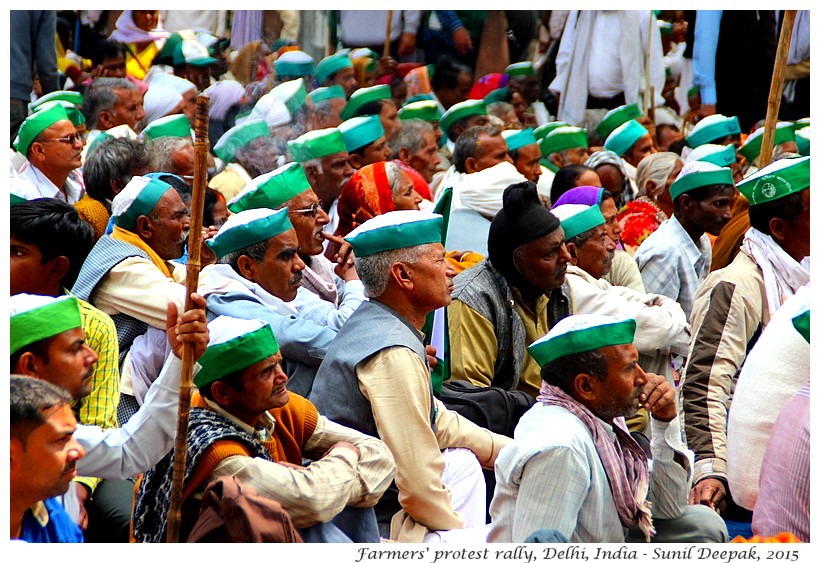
(656, 167)
(374, 269)
(410, 136)
(315, 163)
(394, 173)
(113, 159)
(101, 96)
(255, 252)
(255, 156)
(467, 145)
(162, 150)
(499, 109)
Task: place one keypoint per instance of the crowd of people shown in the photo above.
(578, 225)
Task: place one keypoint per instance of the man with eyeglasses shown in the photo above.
(53, 150)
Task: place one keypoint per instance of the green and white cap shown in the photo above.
(576, 334)
(517, 138)
(363, 52)
(780, 178)
(37, 317)
(624, 136)
(800, 123)
(543, 130)
(696, 174)
(497, 95)
(330, 65)
(177, 83)
(270, 108)
(802, 137)
(294, 63)
(233, 345)
(138, 197)
(722, 155)
(74, 114)
(783, 133)
(327, 93)
(271, 190)
(176, 125)
(73, 98)
(459, 111)
(119, 132)
(238, 136)
(563, 138)
(292, 93)
(35, 124)
(364, 96)
(577, 218)
(712, 128)
(616, 117)
(192, 52)
(426, 110)
(524, 68)
(395, 229)
(248, 227)
(802, 322)
(318, 143)
(358, 132)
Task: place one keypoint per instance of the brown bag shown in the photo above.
(234, 513)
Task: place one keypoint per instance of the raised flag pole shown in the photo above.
(776, 89)
(193, 266)
(389, 32)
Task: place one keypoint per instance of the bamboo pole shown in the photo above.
(389, 32)
(776, 89)
(648, 63)
(193, 265)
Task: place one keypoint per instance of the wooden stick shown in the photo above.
(776, 89)
(201, 145)
(648, 63)
(389, 31)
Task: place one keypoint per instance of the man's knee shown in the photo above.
(697, 524)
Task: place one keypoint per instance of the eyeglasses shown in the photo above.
(309, 211)
(70, 139)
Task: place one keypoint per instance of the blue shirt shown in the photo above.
(48, 522)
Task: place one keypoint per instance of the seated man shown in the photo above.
(257, 276)
(573, 466)
(524, 151)
(375, 378)
(245, 423)
(365, 140)
(632, 142)
(325, 297)
(41, 417)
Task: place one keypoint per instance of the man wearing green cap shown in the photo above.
(375, 378)
(784, 142)
(734, 304)
(675, 259)
(574, 467)
(130, 274)
(53, 151)
(563, 146)
(775, 369)
(328, 102)
(192, 61)
(257, 276)
(524, 152)
(523, 80)
(415, 146)
(365, 140)
(337, 70)
(325, 160)
(244, 422)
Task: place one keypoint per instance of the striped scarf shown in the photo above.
(624, 461)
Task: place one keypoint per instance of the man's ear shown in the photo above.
(556, 159)
(28, 364)
(470, 165)
(404, 155)
(104, 121)
(777, 228)
(221, 392)
(402, 274)
(144, 227)
(57, 268)
(247, 267)
(573, 253)
(585, 387)
(355, 160)
(17, 448)
(116, 184)
(312, 174)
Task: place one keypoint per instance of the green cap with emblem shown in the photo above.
(722, 155)
(358, 132)
(802, 137)
(233, 345)
(318, 143)
(578, 218)
(543, 130)
(35, 124)
(37, 317)
(616, 117)
(238, 136)
(783, 133)
(271, 190)
(74, 114)
(779, 179)
(712, 128)
(580, 333)
(364, 96)
(246, 228)
(697, 174)
(395, 229)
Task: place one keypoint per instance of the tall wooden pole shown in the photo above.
(389, 32)
(193, 265)
(648, 95)
(776, 89)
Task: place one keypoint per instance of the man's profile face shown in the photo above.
(389, 117)
(45, 464)
(377, 151)
(543, 261)
(346, 78)
(490, 150)
(610, 212)
(336, 171)
(263, 387)
(171, 227)
(58, 152)
(433, 276)
(69, 363)
(128, 110)
(308, 220)
(642, 148)
(595, 255)
(618, 394)
(713, 212)
(426, 159)
(280, 273)
(528, 162)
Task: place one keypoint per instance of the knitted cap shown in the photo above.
(582, 333)
(248, 227)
